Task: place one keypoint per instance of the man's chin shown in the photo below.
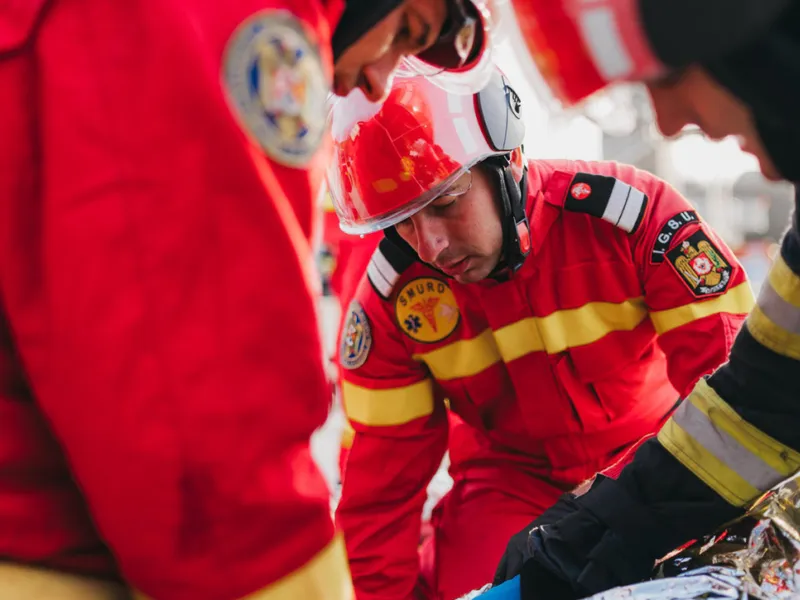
(471, 276)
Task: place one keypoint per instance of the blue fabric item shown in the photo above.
(508, 590)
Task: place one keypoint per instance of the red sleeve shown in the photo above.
(400, 438)
(161, 305)
(695, 289)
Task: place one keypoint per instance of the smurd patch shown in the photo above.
(276, 83)
(426, 310)
(356, 338)
(701, 265)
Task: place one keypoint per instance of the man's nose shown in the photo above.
(431, 239)
(376, 77)
(670, 117)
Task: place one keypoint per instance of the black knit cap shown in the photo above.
(752, 47)
(358, 18)
(683, 32)
(765, 74)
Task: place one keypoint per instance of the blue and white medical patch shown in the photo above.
(356, 338)
(277, 85)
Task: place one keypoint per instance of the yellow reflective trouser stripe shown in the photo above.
(393, 406)
(556, 332)
(775, 321)
(324, 577)
(737, 300)
(734, 458)
(22, 582)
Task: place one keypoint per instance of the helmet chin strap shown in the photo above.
(514, 221)
(516, 228)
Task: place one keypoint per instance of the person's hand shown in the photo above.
(518, 549)
(537, 582)
(513, 558)
(602, 539)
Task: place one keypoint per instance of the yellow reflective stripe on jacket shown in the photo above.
(348, 433)
(394, 406)
(775, 321)
(326, 576)
(785, 281)
(569, 328)
(737, 460)
(25, 582)
(462, 358)
(737, 300)
(558, 331)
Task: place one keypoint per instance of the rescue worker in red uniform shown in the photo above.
(731, 67)
(562, 308)
(350, 255)
(161, 370)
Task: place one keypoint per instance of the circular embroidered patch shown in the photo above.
(581, 191)
(426, 310)
(356, 338)
(277, 85)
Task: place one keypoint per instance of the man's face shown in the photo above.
(696, 98)
(369, 63)
(459, 234)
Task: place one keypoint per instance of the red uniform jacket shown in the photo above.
(160, 368)
(351, 255)
(626, 300)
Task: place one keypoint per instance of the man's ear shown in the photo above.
(517, 164)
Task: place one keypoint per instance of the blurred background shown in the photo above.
(723, 183)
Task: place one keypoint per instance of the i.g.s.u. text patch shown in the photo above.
(668, 232)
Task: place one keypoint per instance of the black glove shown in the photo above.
(517, 550)
(596, 541)
(513, 558)
(577, 561)
(613, 534)
(541, 582)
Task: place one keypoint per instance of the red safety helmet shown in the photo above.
(392, 159)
